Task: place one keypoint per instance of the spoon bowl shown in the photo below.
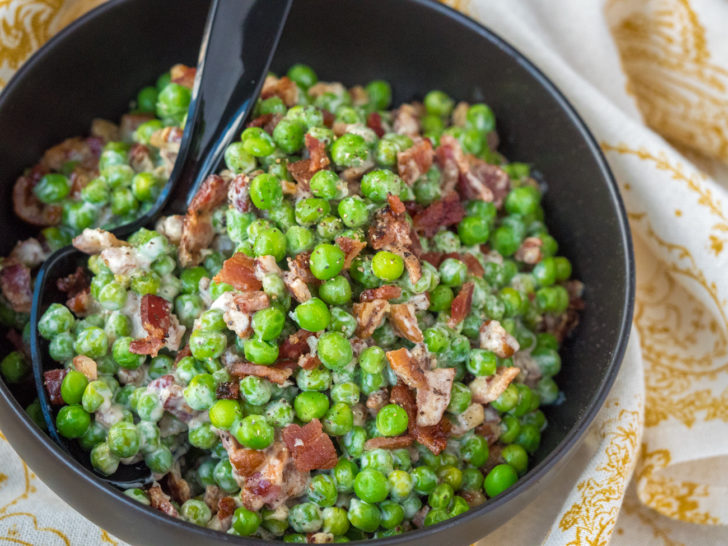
(238, 45)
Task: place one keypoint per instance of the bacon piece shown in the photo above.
(260, 121)
(239, 193)
(161, 501)
(444, 212)
(140, 158)
(406, 368)
(377, 400)
(295, 345)
(283, 88)
(415, 161)
(250, 302)
(182, 354)
(156, 320)
(177, 486)
(303, 170)
(28, 252)
(183, 75)
(197, 235)
(385, 292)
(407, 120)
(474, 497)
(434, 437)
(562, 325)
(309, 362)
(229, 390)
(473, 416)
(404, 321)
(73, 283)
(474, 266)
(223, 518)
(93, 241)
(433, 399)
(484, 181)
(301, 267)
(495, 338)
(491, 428)
(374, 122)
(105, 130)
(392, 442)
(28, 207)
(87, 366)
(297, 277)
(239, 272)
(310, 447)
(460, 306)
(245, 461)
(530, 251)
(485, 389)
(212, 497)
(212, 193)
(130, 123)
(390, 231)
(395, 203)
(15, 286)
(351, 247)
(369, 316)
(272, 373)
(52, 380)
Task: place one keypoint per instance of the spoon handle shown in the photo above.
(240, 37)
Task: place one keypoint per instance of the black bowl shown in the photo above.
(95, 65)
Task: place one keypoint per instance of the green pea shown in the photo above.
(339, 420)
(380, 94)
(425, 480)
(123, 356)
(474, 450)
(453, 272)
(392, 420)
(299, 239)
(401, 484)
(15, 367)
(257, 143)
(480, 117)
(197, 512)
(303, 75)
(505, 240)
(349, 150)
(52, 188)
(376, 185)
(238, 160)
(253, 432)
(311, 210)
(103, 459)
(266, 191)
(305, 517)
(173, 101)
(313, 315)
(482, 362)
(500, 478)
(364, 516)
(279, 413)
(310, 405)
(112, 296)
(145, 186)
(200, 392)
(346, 392)
(552, 299)
(56, 319)
(224, 412)
(523, 200)
(335, 520)
(361, 272)
(223, 474)
(288, 135)
(147, 99)
(460, 398)
(72, 387)
(324, 184)
(310, 115)
(438, 103)
(427, 188)
(322, 490)
(123, 201)
(354, 441)
(441, 496)
(92, 342)
(547, 390)
(387, 265)
(145, 131)
(516, 457)
(334, 350)
(472, 479)
(473, 230)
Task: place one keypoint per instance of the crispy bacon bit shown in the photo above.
(392, 442)
(140, 158)
(351, 247)
(245, 461)
(460, 306)
(93, 241)
(310, 447)
(369, 316)
(177, 486)
(250, 302)
(212, 496)
(309, 362)
(183, 75)
(239, 272)
(444, 212)
(404, 321)
(28, 207)
(224, 517)
(182, 354)
(406, 368)
(474, 497)
(432, 401)
(87, 366)
(494, 337)
(303, 170)
(374, 122)
(73, 283)
(239, 193)
(301, 267)
(295, 345)
(390, 231)
(415, 161)
(469, 419)
(52, 380)
(395, 203)
(283, 88)
(377, 400)
(491, 428)
(105, 130)
(272, 373)
(197, 235)
(484, 181)
(298, 275)
(474, 266)
(485, 389)
(434, 437)
(407, 120)
(15, 286)
(156, 320)
(386, 292)
(212, 193)
(260, 121)
(530, 251)
(28, 252)
(130, 123)
(161, 501)
(229, 390)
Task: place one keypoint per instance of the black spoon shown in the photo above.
(237, 47)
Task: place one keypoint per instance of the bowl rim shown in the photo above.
(48, 450)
